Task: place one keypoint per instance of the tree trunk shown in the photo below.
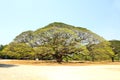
(112, 59)
(93, 58)
(58, 58)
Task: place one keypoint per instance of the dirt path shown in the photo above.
(30, 72)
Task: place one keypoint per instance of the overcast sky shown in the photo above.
(99, 16)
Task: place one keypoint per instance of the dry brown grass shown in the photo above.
(53, 63)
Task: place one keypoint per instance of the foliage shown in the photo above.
(1, 47)
(78, 53)
(115, 44)
(18, 51)
(44, 53)
(101, 51)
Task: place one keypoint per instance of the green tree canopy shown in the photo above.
(44, 52)
(18, 51)
(100, 51)
(115, 44)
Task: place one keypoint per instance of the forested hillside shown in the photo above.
(60, 42)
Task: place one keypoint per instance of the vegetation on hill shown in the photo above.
(60, 42)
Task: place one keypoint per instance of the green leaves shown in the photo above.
(18, 51)
(44, 52)
(115, 45)
(101, 51)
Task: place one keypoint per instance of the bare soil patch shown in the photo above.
(45, 70)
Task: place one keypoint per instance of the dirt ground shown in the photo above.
(37, 70)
